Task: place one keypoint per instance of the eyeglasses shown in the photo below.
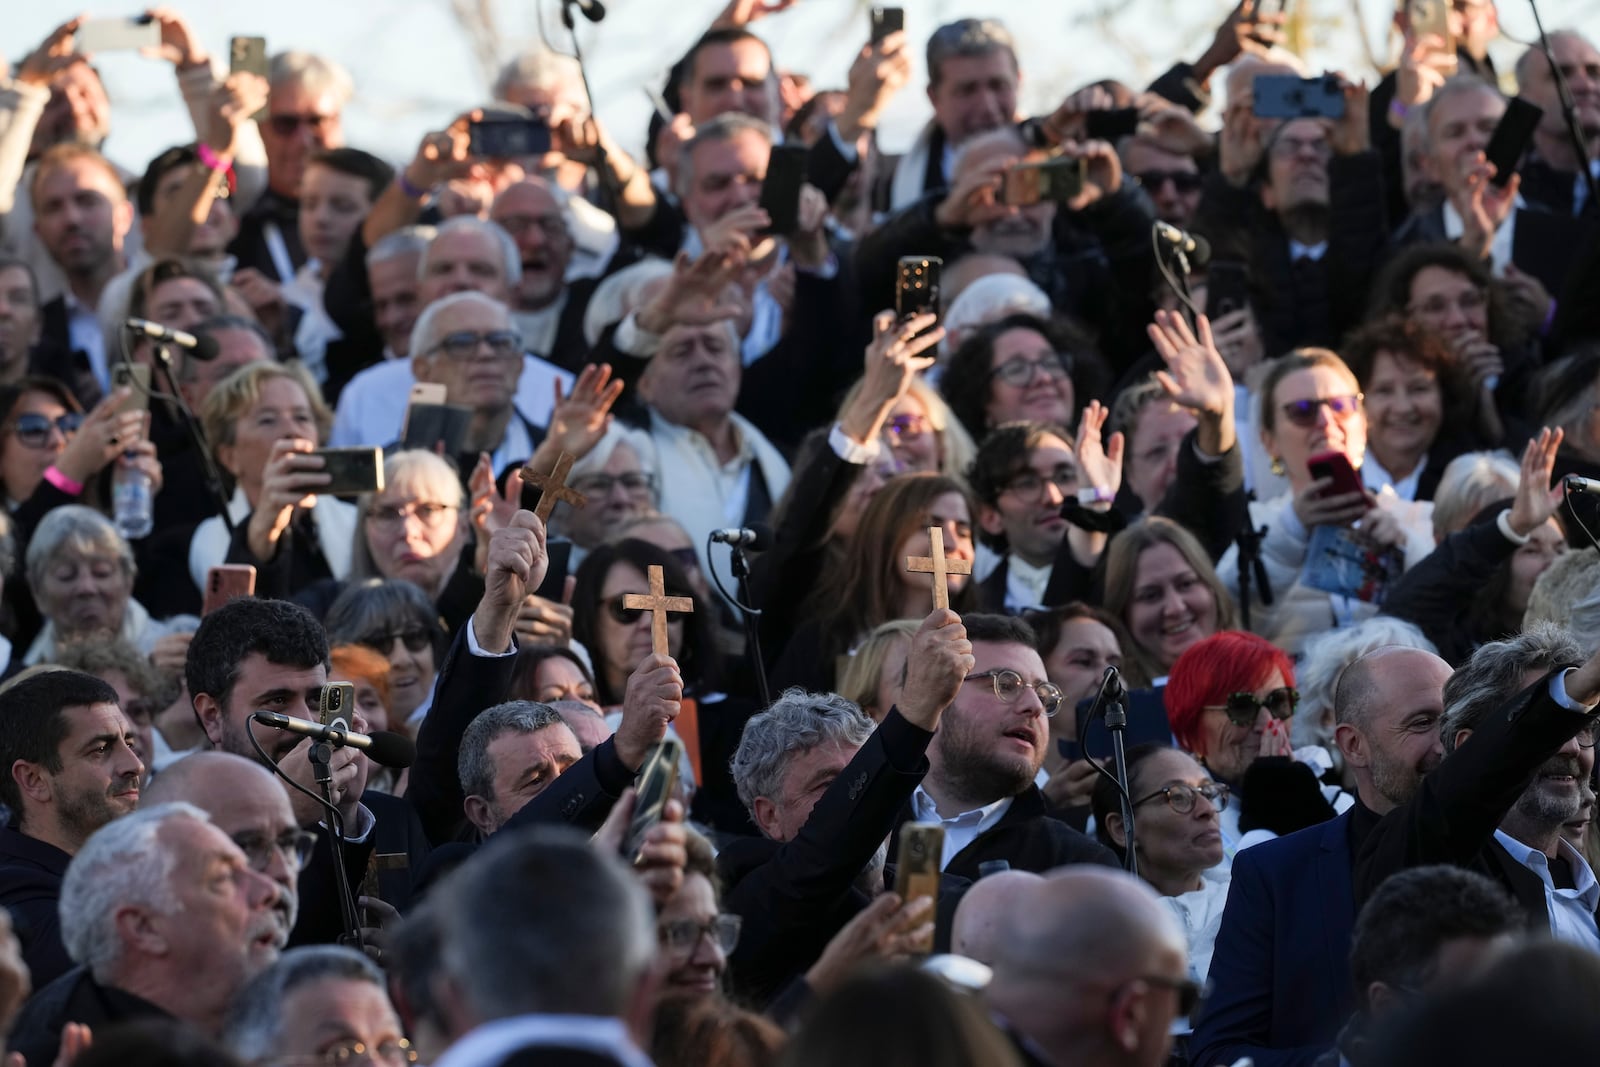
(393, 518)
(1022, 372)
(634, 482)
(1471, 301)
(287, 125)
(1586, 736)
(908, 425)
(1030, 486)
(345, 1052)
(295, 845)
(464, 344)
(1288, 147)
(1008, 684)
(1244, 708)
(414, 640)
(1190, 992)
(33, 429)
(1180, 798)
(682, 935)
(1183, 181)
(628, 616)
(1303, 413)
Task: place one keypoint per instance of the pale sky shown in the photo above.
(414, 69)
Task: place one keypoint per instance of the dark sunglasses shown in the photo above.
(628, 616)
(33, 429)
(1244, 708)
(1303, 413)
(1184, 181)
(414, 640)
(288, 125)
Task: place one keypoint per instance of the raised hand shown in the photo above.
(653, 699)
(696, 293)
(1239, 146)
(515, 567)
(939, 661)
(581, 417)
(233, 103)
(1197, 376)
(881, 69)
(973, 201)
(1483, 206)
(1349, 134)
(179, 44)
(1069, 121)
(1247, 29)
(1102, 172)
(1537, 499)
(1099, 464)
(808, 246)
(104, 435)
(660, 862)
(54, 55)
(741, 13)
(1426, 63)
(290, 480)
(886, 929)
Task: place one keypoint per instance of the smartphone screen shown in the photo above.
(1511, 138)
(780, 189)
(117, 35)
(657, 779)
(509, 138)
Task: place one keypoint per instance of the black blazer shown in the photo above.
(54, 357)
(30, 889)
(75, 997)
(1027, 837)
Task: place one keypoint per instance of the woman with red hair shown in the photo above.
(1229, 699)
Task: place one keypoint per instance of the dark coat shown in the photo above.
(75, 997)
(1027, 837)
(30, 889)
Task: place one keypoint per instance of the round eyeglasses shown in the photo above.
(1008, 685)
(1181, 797)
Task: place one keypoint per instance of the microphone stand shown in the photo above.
(602, 167)
(197, 435)
(752, 621)
(1169, 256)
(1110, 698)
(1250, 564)
(1569, 110)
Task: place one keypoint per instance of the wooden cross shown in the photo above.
(553, 487)
(938, 566)
(658, 604)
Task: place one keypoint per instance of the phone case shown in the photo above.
(352, 470)
(780, 189)
(917, 865)
(657, 779)
(917, 287)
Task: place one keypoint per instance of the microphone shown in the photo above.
(758, 538)
(593, 10)
(202, 348)
(381, 746)
(1576, 484)
(1111, 685)
(1189, 244)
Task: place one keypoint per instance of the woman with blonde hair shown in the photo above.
(1161, 586)
(872, 677)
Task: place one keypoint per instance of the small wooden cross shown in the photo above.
(553, 487)
(658, 604)
(938, 566)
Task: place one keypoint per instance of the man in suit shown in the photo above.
(826, 788)
(1553, 176)
(509, 991)
(1279, 973)
(69, 769)
(986, 756)
(510, 754)
(164, 918)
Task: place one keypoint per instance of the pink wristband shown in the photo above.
(62, 482)
(210, 158)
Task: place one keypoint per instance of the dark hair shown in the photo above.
(11, 395)
(698, 657)
(154, 1043)
(1106, 800)
(731, 35)
(966, 382)
(1412, 915)
(530, 658)
(35, 724)
(699, 1031)
(173, 158)
(166, 270)
(999, 630)
(1399, 337)
(372, 606)
(229, 321)
(13, 263)
(285, 634)
(1001, 457)
(358, 164)
(1391, 291)
(1049, 622)
(412, 959)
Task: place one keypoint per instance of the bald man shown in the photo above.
(983, 909)
(1091, 969)
(251, 805)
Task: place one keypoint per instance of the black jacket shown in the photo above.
(250, 247)
(75, 997)
(30, 889)
(1436, 593)
(1026, 837)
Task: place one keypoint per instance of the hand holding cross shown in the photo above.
(553, 487)
(940, 567)
(658, 604)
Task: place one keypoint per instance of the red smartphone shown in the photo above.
(1336, 465)
(228, 581)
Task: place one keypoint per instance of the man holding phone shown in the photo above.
(1553, 176)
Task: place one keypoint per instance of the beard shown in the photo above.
(971, 770)
(85, 812)
(1551, 805)
(1395, 780)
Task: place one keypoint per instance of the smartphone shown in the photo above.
(1337, 466)
(887, 20)
(917, 286)
(336, 703)
(1284, 96)
(117, 35)
(780, 189)
(657, 779)
(353, 470)
(228, 581)
(134, 376)
(917, 865)
(1111, 125)
(247, 55)
(1053, 179)
(509, 138)
(430, 425)
(1227, 288)
(1431, 16)
(1511, 138)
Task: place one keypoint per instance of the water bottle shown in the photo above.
(131, 501)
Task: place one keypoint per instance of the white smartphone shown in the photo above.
(117, 35)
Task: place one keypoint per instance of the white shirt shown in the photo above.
(959, 830)
(1298, 251)
(1374, 477)
(1025, 584)
(1500, 245)
(372, 407)
(1580, 187)
(1571, 911)
(84, 334)
(494, 1042)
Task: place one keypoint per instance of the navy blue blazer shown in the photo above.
(1280, 975)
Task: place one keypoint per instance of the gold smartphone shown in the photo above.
(917, 866)
(336, 704)
(657, 779)
(136, 377)
(228, 581)
(1058, 179)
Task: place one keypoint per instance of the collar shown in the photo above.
(1022, 575)
(687, 437)
(14, 842)
(1585, 888)
(923, 806)
(1298, 251)
(496, 1041)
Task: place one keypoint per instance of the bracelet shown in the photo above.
(1097, 494)
(1398, 110)
(210, 158)
(406, 187)
(54, 476)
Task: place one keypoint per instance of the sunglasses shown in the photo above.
(414, 640)
(1303, 413)
(287, 125)
(1184, 181)
(1244, 708)
(628, 616)
(33, 429)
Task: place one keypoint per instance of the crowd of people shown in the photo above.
(1251, 452)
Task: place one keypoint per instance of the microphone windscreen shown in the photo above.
(764, 537)
(1202, 250)
(391, 749)
(206, 348)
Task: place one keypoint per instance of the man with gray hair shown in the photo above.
(566, 963)
(290, 1011)
(1553, 176)
(825, 788)
(509, 755)
(164, 917)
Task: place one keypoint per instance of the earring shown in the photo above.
(1277, 467)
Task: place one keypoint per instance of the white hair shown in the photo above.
(254, 1028)
(1325, 658)
(123, 863)
(511, 259)
(1471, 482)
(538, 68)
(406, 241)
(990, 299)
(422, 333)
(316, 73)
(619, 294)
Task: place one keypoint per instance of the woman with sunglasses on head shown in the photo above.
(1177, 818)
(1229, 700)
(1311, 406)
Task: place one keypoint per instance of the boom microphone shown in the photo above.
(381, 746)
(757, 538)
(1575, 484)
(201, 348)
(1195, 247)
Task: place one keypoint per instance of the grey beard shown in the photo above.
(1547, 809)
(870, 880)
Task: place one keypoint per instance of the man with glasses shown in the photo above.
(69, 769)
(985, 758)
(318, 1006)
(1171, 180)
